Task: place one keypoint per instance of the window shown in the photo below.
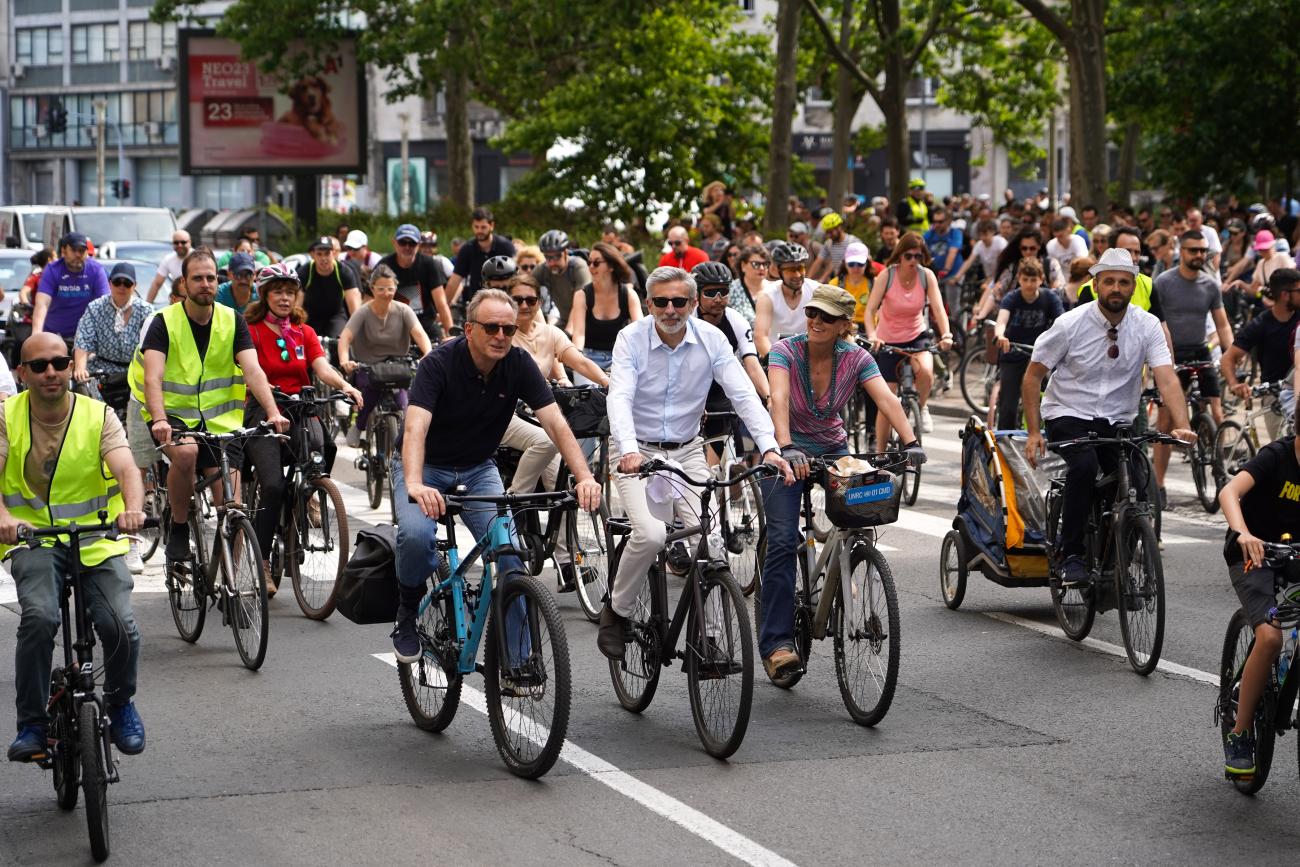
(40, 46)
(96, 43)
(149, 41)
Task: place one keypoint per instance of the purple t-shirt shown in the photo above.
(70, 293)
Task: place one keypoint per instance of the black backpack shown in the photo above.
(368, 591)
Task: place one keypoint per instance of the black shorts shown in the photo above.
(1208, 378)
(1255, 590)
(209, 455)
(888, 361)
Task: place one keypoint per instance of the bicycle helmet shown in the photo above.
(711, 274)
(553, 241)
(274, 274)
(789, 254)
(832, 221)
(499, 268)
(1262, 222)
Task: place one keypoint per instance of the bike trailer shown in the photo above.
(1002, 511)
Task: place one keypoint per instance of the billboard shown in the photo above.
(236, 120)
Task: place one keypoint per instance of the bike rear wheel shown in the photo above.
(636, 675)
(1237, 643)
(67, 758)
(431, 686)
(319, 554)
(591, 559)
(185, 587)
(803, 617)
(528, 694)
(977, 377)
(245, 591)
(868, 638)
(1203, 474)
(1233, 449)
(94, 779)
(1140, 593)
(744, 531)
(720, 665)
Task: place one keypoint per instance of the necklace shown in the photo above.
(816, 410)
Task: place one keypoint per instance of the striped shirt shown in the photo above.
(815, 425)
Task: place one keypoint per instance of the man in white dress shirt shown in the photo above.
(659, 379)
(1096, 353)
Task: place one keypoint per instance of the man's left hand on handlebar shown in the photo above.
(278, 421)
(774, 458)
(130, 522)
(354, 394)
(588, 493)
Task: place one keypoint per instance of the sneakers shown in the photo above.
(354, 437)
(511, 688)
(1238, 755)
(781, 661)
(406, 641)
(614, 634)
(134, 564)
(30, 745)
(1074, 573)
(927, 423)
(569, 576)
(127, 729)
(178, 542)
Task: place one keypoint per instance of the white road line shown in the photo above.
(1103, 646)
(709, 830)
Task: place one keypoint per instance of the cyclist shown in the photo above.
(498, 272)
(945, 241)
(330, 292)
(238, 292)
(561, 275)
(467, 274)
(190, 372)
(1096, 353)
(778, 312)
(63, 458)
(170, 266)
(420, 280)
(452, 385)
(913, 213)
(109, 332)
(663, 367)
(378, 330)
(900, 296)
(604, 305)
(1022, 317)
(1260, 504)
(68, 285)
(813, 377)
(832, 253)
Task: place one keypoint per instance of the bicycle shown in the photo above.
(1236, 443)
(382, 427)
(1121, 552)
(155, 503)
(81, 747)
(516, 668)
(860, 614)
(1202, 452)
(910, 398)
(229, 575)
(340, 419)
(740, 507)
(1275, 712)
(312, 543)
(719, 648)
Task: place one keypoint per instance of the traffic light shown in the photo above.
(126, 189)
(117, 188)
(58, 117)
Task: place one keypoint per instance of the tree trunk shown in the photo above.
(1087, 61)
(1128, 162)
(847, 97)
(894, 107)
(780, 154)
(460, 147)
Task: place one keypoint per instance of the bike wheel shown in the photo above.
(952, 570)
(245, 592)
(977, 376)
(94, 778)
(185, 588)
(528, 694)
(67, 758)
(744, 531)
(636, 675)
(155, 501)
(720, 665)
(1075, 610)
(431, 686)
(912, 475)
(1203, 463)
(1233, 449)
(1237, 642)
(321, 553)
(374, 471)
(591, 560)
(390, 438)
(1140, 594)
(867, 637)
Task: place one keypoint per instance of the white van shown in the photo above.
(102, 225)
(22, 226)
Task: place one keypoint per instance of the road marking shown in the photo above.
(1103, 646)
(709, 830)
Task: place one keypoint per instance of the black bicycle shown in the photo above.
(80, 747)
(1206, 472)
(382, 427)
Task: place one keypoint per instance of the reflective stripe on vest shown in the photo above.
(208, 391)
(81, 485)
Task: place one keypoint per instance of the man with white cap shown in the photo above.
(1096, 354)
(356, 246)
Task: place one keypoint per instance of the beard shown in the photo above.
(670, 326)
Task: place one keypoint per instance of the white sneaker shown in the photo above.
(927, 423)
(354, 436)
(133, 562)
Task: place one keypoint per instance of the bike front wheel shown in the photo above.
(1203, 470)
(1140, 576)
(1237, 643)
(591, 559)
(1233, 449)
(155, 500)
(720, 665)
(977, 377)
(744, 531)
(94, 778)
(528, 692)
(431, 686)
(868, 637)
(245, 592)
(185, 587)
(374, 469)
(67, 758)
(321, 547)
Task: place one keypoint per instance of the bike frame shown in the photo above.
(833, 561)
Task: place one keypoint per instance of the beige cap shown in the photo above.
(834, 301)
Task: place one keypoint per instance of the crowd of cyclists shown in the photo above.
(786, 333)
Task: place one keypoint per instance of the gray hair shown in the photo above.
(485, 294)
(668, 274)
(382, 272)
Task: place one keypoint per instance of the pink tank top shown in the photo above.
(902, 311)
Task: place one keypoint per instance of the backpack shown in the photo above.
(367, 591)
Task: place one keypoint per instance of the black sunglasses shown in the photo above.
(912, 256)
(495, 328)
(38, 365)
(715, 291)
(525, 300)
(818, 313)
(121, 282)
(1112, 334)
(406, 243)
(678, 302)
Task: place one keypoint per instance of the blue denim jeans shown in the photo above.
(39, 574)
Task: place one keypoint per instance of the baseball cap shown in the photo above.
(857, 254)
(1068, 213)
(122, 269)
(241, 263)
(324, 242)
(407, 232)
(799, 228)
(1264, 240)
(833, 300)
(356, 240)
(74, 239)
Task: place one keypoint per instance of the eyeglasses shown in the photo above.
(912, 257)
(1112, 334)
(283, 347)
(525, 300)
(1033, 248)
(678, 302)
(715, 291)
(119, 282)
(406, 243)
(818, 313)
(38, 365)
(495, 328)
(757, 264)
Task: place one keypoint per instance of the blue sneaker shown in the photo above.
(127, 729)
(406, 641)
(30, 745)
(1074, 573)
(1238, 755)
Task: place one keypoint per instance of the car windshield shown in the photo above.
(13, 272)
(130, 226)
(141, 252)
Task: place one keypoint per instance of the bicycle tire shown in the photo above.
(870, 632)
(1203, 463)
(912, 474)
(374, 472)
(591, 558)
(529, 750)
(1233, 448)
(744, 531)
(952, 570)
(636, 675)
(154, 504)
(1237, 643)
(386, 464)
(317, 566)
(431, 687)
(245, 591)
(977, 376)
(186, 596)
(67, 758)
(722, 693)
(1140, 597)
(94, 779)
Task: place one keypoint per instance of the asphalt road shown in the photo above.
(1005, 744)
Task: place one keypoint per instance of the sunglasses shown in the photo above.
(676, 243)
(180, 243)
(495, 328)
(913, 257)
(525, 300)
(594, 262)
(1112, 334)
(818, 313)
(715, 291)
(856, 264)
(678, 302)
(757, 264)
(1033, 249)
(38, 365)
(283, 347)
(407, 243)
(122, 283)
(554, 257)
(1195, 251)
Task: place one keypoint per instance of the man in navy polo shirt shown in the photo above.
(68, 285)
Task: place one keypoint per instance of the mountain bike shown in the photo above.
(718, 656)
(382, 427)
(1275, 714)
(81, 748)
(525, 664)
(858, 612)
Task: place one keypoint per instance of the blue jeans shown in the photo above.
(107, 588)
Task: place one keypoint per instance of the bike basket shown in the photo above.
(584, 410)
(863, 499)
(396, 373)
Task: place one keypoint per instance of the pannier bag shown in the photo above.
(368, 592)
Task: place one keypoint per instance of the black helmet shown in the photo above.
(1260, 222)
(553, 241)
(711, 274)
(789, 254)
(499, 268)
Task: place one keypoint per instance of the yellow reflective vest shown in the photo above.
(82, 484)
(205, 392)
(920, 221)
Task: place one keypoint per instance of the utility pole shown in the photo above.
(404, 203)
(101, 109)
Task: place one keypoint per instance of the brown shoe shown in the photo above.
(780, 662)
(271, 587)
(613, 636)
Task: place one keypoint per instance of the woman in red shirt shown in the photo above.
(289, 352)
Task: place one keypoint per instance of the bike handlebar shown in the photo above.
(558, 498)
(31, 536)
(655, 465)
(881, 460)
(1093, 441)
(1194, 366)
(262, 428)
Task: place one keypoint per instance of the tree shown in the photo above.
(784, 89)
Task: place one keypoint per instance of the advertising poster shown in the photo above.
(417, 168)
(236, 120)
